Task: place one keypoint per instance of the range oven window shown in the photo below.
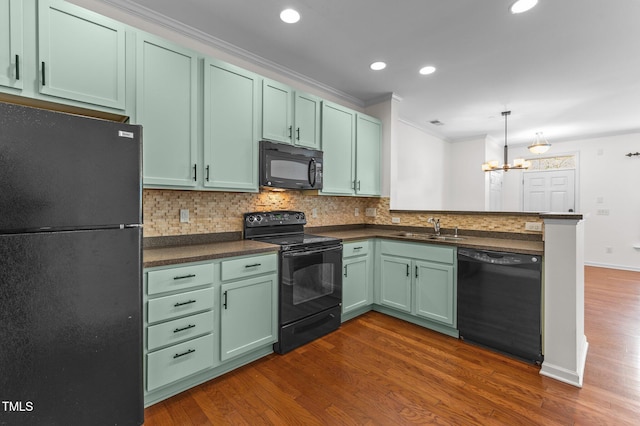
(311, 281)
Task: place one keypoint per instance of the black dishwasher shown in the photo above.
(499, 302)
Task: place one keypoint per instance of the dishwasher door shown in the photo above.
(499, 302)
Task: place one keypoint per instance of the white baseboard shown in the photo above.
(565, 375)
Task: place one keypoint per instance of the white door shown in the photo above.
(495, 190)
(549, 191)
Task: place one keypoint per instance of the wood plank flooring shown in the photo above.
(377, 370)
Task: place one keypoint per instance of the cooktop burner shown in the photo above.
(283, 227)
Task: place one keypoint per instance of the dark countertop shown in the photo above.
(217, 248)
(171, 255)
(521, 246)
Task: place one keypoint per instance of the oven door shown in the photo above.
(311, 282)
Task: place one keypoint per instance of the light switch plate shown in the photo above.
(533, 226)
(395, 220)
(370, 211)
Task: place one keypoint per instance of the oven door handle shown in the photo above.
(308, 252)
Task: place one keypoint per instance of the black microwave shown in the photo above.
(289, 167)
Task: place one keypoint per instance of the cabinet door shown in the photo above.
(355, 284)
(338, 134)
(166, 106)
(395, 282)
(368, 137)
(248, 315)
(435, 292)
(81, 55)
(307, 120)
(11, 55)
(277, 114)
(231, 122)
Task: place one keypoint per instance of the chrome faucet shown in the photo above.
(435, 223)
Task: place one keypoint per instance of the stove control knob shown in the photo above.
(259, 218)
(250, 219)
(300, 216)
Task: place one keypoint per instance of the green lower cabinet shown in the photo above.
(418, 281)
(395, 291)
(357, 278)
(435, 298)
(248, 316)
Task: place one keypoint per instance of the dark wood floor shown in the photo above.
(377, 370)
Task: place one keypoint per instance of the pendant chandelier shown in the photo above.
(518, 163)
(540, 146)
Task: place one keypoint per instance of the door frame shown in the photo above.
(576, 181)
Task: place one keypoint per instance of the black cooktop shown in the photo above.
(283, 227)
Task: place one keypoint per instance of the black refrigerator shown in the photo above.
(70, 270)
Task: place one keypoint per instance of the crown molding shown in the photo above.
(130, 8)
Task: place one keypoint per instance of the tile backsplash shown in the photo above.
(211, 212)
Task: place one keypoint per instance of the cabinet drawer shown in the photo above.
(177, 305)
(358, 248)
(178, 361)
(179, 330)
(420, 251)
(181, 278)
(248, 266)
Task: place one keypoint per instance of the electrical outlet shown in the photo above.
(371, 212)
(314, 213)
(395, 220)
(608, 250)
(184, 215)
(602, 212)
(533, 226)
(356, 212)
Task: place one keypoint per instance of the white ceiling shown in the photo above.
(568, 68)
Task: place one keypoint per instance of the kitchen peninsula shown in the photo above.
(565, 345)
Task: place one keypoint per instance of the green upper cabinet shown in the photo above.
(351, 145)
(166, 107)
(338, 145)
(368, 137)
(11, 51)
(277, 111)
(307, 120)
(290, 116)
(231, 127)
(81, 55)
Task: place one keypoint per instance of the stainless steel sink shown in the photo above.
(425, 236)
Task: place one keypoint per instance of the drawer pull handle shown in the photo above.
(358, 248)
(184, 303)
(253, 265)
(182, 277)
(178, 330)
(190, 351)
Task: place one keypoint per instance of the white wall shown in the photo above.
(418, 167)
(466, 180)
(609, 181)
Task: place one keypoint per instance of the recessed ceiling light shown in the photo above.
(522, 6)
(377, 66)
(427, 70)
(290, 16)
